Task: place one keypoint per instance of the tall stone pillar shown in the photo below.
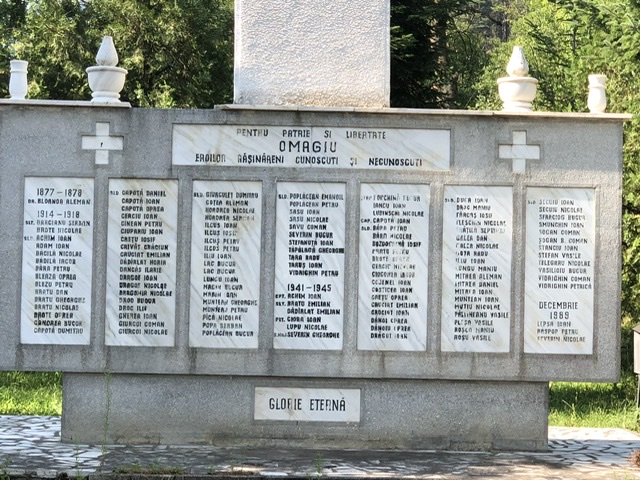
(312, 53)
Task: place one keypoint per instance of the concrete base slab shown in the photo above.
(412, 414)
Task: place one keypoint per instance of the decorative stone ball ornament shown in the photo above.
(518, 90)
(106, 81)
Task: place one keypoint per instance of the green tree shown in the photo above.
(178, 54)
(436, 51)
(12, 18)
(53, 39)
(554, 49)
(565, 41)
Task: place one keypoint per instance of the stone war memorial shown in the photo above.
(308, 266)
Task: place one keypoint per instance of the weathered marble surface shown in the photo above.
(559, 274)
(476, 269)
(298, 404)
(393, 272)
(312, 147)
(225, 264)
(57, 258)
(309, 266)
(141, 262)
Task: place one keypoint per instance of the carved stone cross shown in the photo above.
(519, 152)
(102, 142)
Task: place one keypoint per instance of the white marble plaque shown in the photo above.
(141, 262)
(559, 272)
(309, 147)
(394, 247)
(57, 259)
(309, 268)
(225, 264)
(476, 269)
(307, 404)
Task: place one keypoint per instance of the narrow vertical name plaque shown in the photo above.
(559, 274)
(141, 262)
(225, 264)
(57, 260)
(476, 269)
(394, 243)
(309, 268)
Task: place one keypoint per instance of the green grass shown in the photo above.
(30, 393)
(570, 404)
(610, 405)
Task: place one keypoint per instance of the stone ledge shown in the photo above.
(426, 111)
(63, 103)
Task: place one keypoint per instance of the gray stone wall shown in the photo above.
(577, 151)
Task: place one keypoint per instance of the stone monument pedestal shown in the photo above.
(396, 278)
(411, 414)
(307, 267)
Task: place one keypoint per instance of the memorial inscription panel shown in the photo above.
(309, 266)
(141, 262)
(57, 259)
(394, 247)
(476, 269)
(307, 404)
(559, 272)
(325, 147)
(225, 264)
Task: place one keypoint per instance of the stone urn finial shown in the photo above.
(18, 85)
(105, 79)
(518, 90)
(597, 99)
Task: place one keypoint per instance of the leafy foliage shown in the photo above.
(565, 41)
(436, 51)
(178, 53)
(12, 18)
(51, 40)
